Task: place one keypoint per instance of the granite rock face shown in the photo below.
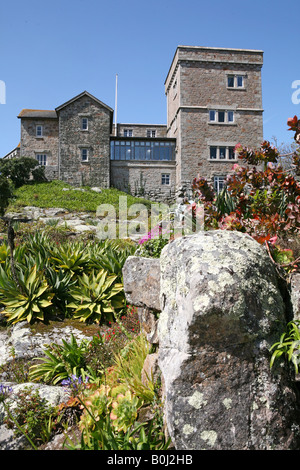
(221, 311)
(141, 277)
(295, 295)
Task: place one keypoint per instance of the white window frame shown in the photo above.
(214, 116)
(165, 179)
(41, 158)
(218, 180)
(236, 77)
(218, 153)
(83, 127)
(82, 151)
(151, 133)
(128, 133)
(37, 132)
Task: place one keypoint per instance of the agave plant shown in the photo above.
(95, 296)
(4, 253)
(71, 258)
(29, 299)
(111, 257)
(60, 283)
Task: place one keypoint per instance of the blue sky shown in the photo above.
(52, 51)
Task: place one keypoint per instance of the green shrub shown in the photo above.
(6, 193)
(19, 170)
(30, 416)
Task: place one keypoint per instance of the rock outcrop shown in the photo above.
(221, 310)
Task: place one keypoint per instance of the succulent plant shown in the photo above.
(124, 410)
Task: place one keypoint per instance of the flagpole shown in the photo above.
(116, 105)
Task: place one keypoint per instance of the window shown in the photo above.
(230, 116)
(219, 183)
(221, 153)
(223, 117)
(235, 81)
(84, 155)
(213, 153)
(151, 133)
(39, 131)
(165, 178)
(142, 150)
(240, 81)
(42, 159)
(212, 115)
(84, 124)
(127, 132)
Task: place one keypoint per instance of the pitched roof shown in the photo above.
(84, 93)
(37, 113)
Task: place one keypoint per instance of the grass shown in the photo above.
(51, 194)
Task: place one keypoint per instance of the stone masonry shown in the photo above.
(197, 83)
(214, 101)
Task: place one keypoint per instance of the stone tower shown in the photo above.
(214, 101)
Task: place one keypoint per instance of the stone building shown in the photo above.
(214, 101)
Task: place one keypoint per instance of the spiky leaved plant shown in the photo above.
(96, 296)
(26, 300)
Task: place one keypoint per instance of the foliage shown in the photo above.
(28, 301)
(6, 193)
(152, 248)
(30, 416)
(53, 194)
(124, 410)
(63, 361)
(111, 257)
(96, 296)
(70, 258)
(110, 412)
(19, 170)
(128, 366)
(262, 200)
(288, 345)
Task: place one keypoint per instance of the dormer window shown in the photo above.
(84, 124)
(39, 131)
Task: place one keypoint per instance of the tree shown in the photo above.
(6, 193)
(19, 170)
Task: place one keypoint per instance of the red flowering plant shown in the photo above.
(260, 198)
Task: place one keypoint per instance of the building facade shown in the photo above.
(214, 101)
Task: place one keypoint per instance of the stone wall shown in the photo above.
(48, 144)
(144, 179)
(140, 130)
(96, 170)
(197, 83)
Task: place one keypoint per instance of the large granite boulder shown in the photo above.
(295, 295)
(222, 309)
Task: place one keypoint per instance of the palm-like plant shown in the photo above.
(27, 301)
(96, 296)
